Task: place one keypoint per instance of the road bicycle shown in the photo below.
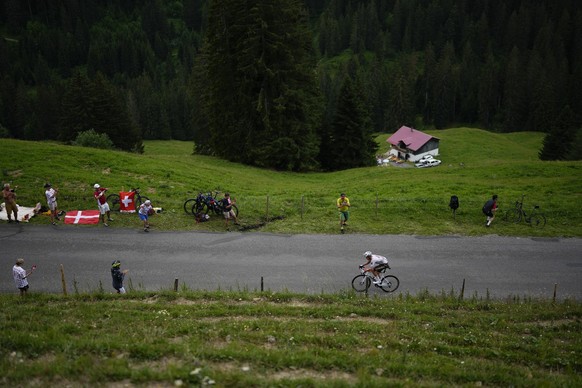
(113, 200)
(535, 218)
(209, 203)
(362, 282)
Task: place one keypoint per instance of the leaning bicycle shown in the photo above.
(362, 282)
(535, 218)
(211, 204)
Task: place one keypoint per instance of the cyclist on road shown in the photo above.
(374, 264)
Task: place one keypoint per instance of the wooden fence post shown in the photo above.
(302, 205)
(176, 285)
(462, 291)
(63, 280)
(267, 220)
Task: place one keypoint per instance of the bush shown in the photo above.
(93, 139)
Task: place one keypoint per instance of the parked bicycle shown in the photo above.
(211, 204)
(536, 218)
(192, 204)
(114, 200)
(362, 282)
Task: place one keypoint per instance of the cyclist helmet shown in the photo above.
(148, 202)
(367, 253)
(116, 264)
(96, 186)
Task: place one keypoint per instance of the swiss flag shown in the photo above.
(126, 202)
(82, 217)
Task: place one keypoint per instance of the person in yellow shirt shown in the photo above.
(343, 205)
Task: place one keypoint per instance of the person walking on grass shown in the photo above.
(343, 205)
(117, 276)
(102, 204)
(21, 276)
(145, 210)
(51, 200)
(10, 203)
(489, 210)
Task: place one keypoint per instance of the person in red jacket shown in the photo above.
(102, 204)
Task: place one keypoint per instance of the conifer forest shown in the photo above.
(294, 85)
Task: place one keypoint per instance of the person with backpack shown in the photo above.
(489, 210)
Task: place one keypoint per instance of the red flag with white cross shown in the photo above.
(82, 217)
(127, 202)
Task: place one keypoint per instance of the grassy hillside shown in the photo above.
(242, 339)
(385, 200)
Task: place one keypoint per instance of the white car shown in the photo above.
(425, 158)
(429, 163)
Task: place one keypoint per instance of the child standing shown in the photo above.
(118, 275)
(145, 209)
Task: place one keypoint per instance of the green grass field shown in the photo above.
(385, 200)
(242, 338)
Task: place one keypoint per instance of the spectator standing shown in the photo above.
(21, 276)
(227, 211)
(489, 210)
(102, 204)
(117, 276)
(10, 203)
(51, 200)
(145, 210)
(343, 205)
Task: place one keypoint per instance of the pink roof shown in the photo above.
(414, 139)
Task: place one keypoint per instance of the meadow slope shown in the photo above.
(385, 200)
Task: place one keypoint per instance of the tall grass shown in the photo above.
(281, 339)
(391, 199)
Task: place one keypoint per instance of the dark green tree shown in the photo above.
(348, 142)
(261, 99)
(559, 141)
(97, 105)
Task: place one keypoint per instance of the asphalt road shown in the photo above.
(498, 266)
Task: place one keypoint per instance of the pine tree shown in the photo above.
(349, 139)
(261, 94)
(559, 141)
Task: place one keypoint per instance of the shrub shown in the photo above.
(93, 139)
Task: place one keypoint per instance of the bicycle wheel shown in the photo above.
(189, 205)
(512, 215)
(113, 201)
(538, 220)
(235, 209)
(361, 283)
(389, 283)
(199, 208)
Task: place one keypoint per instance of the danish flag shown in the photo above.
(127, 202)
(82, 217)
